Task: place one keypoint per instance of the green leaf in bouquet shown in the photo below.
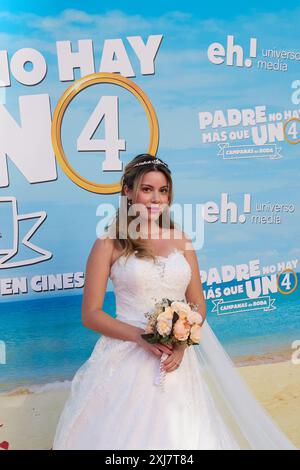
(149, 337)
(165, 339)
(175, 318)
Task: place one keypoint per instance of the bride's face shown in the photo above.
(153, 193)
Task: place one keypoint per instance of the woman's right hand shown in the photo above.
(157, 348)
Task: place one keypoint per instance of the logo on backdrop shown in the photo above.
(251, 283)
(10, 230)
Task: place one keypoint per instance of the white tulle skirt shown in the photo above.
(114, 403)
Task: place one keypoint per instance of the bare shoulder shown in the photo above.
(195, 289)
(102, 250)
(103, 243)
(189, 249)
(185, 243)
(96, 275)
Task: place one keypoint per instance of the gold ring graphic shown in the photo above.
(284, 131)
(296, 281)
(63, 103)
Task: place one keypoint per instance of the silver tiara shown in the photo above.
(151, 162)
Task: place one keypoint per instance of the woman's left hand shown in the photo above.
(173, 361)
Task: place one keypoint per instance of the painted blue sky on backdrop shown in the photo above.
(184, 83)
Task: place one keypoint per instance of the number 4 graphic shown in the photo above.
(286, 281)
(107, 110)
(291, 128)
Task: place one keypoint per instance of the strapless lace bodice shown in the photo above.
(139, 283)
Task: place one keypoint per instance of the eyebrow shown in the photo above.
(145, 184)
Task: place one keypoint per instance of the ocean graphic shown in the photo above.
(46, 342)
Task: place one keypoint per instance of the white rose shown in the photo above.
(167, 314)
(164, 327)
(181, 308)
(194, 317)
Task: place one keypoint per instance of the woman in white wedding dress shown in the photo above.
(115, 403)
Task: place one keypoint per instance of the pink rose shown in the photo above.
(196, 333)
(181, 330)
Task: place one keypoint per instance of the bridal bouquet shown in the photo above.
(172, 322)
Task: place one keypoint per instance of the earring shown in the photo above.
(129, 202)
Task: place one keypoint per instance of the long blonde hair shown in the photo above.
(132, 178)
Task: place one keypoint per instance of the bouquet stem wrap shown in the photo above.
(172, 322)
(161, 374)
